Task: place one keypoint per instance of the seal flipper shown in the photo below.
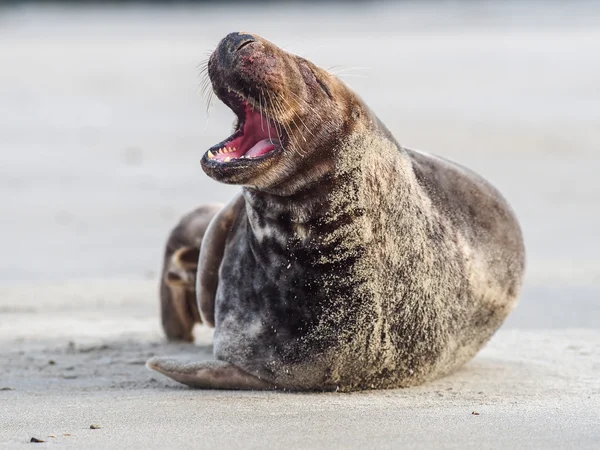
(179, 313)
(208, 374)
(211, 254)
(179, 309)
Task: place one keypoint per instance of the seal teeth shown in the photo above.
(227, 159)
(210, 155)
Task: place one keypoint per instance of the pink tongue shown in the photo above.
(260, 148)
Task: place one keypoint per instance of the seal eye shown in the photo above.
(324, 87)
(320, 83)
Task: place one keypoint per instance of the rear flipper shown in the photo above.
(179, 309)
(208, 374)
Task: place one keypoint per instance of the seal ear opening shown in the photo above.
(187, 257)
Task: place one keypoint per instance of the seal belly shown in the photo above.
(288, 313)
(261, 313)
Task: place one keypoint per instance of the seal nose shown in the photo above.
(236, 41)
(229, 47)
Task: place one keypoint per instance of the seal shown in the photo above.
(179, 309)
(347, 261)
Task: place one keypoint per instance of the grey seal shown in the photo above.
(347, 261)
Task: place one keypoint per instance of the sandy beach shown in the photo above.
(101, 130)
(79, 360)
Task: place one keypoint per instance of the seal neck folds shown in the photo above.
(256, 135)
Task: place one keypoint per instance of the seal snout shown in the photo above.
(230, 47)
(241, 40)
(276, 97)
(237, 40)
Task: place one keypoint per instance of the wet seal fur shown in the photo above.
(347, 262)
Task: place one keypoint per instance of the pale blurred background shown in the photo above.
(102, 125)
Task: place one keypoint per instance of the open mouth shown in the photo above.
(256, 136)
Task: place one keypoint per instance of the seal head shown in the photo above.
(290, 115)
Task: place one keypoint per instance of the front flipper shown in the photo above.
(211, 254)
(208, 374)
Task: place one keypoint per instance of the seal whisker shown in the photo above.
(211, 97)
(203, 65)
(277, 111)
(279, 107)
(269, 131)
(294, 114)
(310, 107)
(271, 118)
(300, 118)
(277, 122)
(261, 95)
(207, 94)
(204, 85)
(351, 75)
(345, 69)
(288, 131)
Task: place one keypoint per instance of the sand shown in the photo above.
(101, 131)
(79, 360)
